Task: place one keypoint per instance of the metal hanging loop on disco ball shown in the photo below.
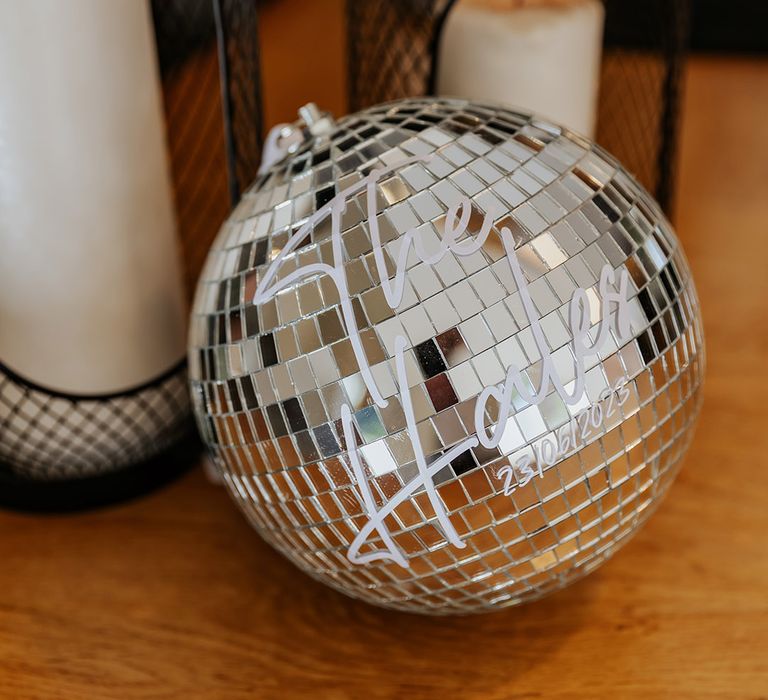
(285, 139)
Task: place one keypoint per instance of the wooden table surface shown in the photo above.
(174, 596)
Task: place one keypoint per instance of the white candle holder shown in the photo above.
(68, 438)
(395, 46)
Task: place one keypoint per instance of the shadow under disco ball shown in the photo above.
(467, 386)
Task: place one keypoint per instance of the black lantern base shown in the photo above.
(63, 496)
(62, 466)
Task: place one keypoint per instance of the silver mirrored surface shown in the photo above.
(270, 381)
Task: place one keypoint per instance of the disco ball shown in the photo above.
(447, 356)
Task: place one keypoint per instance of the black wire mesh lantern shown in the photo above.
(208, 55)
(63, 451)
(210, 66)
(393, 49)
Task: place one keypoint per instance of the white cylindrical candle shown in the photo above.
(540, 55)
(91, 298)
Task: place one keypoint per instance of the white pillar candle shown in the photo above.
(90, 286)
(542, 55)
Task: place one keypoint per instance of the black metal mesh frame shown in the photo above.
(239, 65)
(62, 451)
(640, 90)
(209, 60)
(53, 435)
(393, 48)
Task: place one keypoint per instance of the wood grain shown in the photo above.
(174, 596)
